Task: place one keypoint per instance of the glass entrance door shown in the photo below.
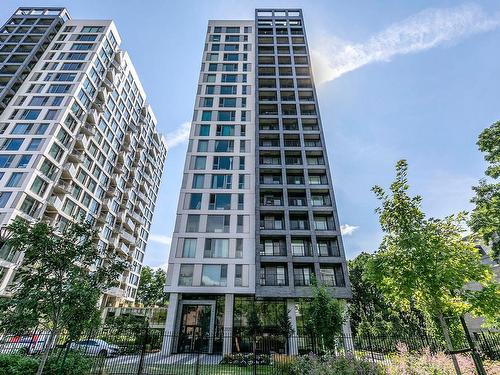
(195, 333)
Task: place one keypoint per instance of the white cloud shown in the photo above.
(179, 135)
(160, 238)
(347, 229)
(427, 29)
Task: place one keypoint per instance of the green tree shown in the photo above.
(370, 312)
(323, 316)
(427, 262)
(150, 292)
(485, 218)
(58, 287)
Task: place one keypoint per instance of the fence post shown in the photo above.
(370, 346)
(143, 352)
(197, 371)
(475, 355)
(254, 355)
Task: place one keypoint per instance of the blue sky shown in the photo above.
(416, 80)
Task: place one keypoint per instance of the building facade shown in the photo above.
(78, 140)
(256, 218)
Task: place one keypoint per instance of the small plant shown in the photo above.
(245, 359)
(331, 365)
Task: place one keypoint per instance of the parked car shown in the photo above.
(96, 347)
(25, 344)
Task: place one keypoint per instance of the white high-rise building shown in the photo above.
(256, 219)
(78, 140)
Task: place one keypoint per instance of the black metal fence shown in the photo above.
(151, 352)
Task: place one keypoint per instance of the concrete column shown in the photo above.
(169, 333)
(293, 345)
(347, 338)
(228, 324)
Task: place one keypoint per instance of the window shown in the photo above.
(51, 114)
(224, 146)
(86, 38)
(195, 201)
(65, 77)
(71, 66)
(6, 160)
(39, 186)
(202, 146)
(216, 248)
(38, 101)
(92, 29)
(81, 46)
(242, 163)
(218, 223)
(229, 78)
(227, 102)
(58, 89)
(214, 275)
(204, 131)
(30, 114)
(221, 181)
(42, 128)
(238, 275)
(34, 144)
(198, 181)
(186, 275)
(12, 144)
(226, 115)
(239, 223)
(228, 90)
(206, 116)
(239, 248)
(22, 128)
(223, 163)
(193, 223)
(200, 162)
(208, 102)
(225, 130)
(15, 179)
(189, 248)
(4, 198)
(23, 161)
(241, 202)
(220, 202)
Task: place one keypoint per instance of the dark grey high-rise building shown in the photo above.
(256, 219)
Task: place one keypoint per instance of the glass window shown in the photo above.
(202, 146)
(30, 114)
(22, 128)
(198, 181)
(220, 202)
(204, 131)
(195, 201)
(23, 161)
(218, 223)
(206, 116)
(6, 160)
(214, 275)
(216, 248)
(15, 179)
(189, 248)
(34, 144)
(4, 198)
(221, 181)
(200, 162)
(226, 116)
(228, 90)
(193, 223)
(12, 144)
(223, 163)
(186, 275)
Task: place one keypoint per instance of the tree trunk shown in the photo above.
(46, 352)
(446, 334)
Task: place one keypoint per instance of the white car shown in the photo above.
(95, 347)
(25, 344)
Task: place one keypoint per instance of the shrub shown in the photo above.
(17, 364)
(245, 359)
(425, 362)
(331, 365)
(74, 364)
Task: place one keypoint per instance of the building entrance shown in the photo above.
(196, 331)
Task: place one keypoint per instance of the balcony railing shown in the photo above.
(272, 279)
(272, 225)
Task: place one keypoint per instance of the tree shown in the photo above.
(370, 312)
(485, 218)
(150, 292)
(58, 287)
(323, 316)
(428, 262)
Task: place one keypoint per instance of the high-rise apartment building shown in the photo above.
(256, 217)
(78, 140)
